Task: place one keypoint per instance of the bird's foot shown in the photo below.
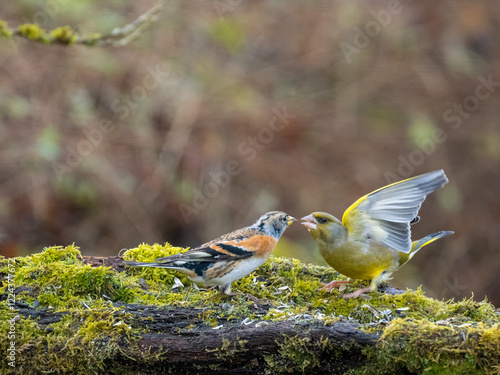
(357, 293)
(254, 299)
(328, 287)
(226, 290)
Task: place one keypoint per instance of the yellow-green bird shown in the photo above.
(374, 237)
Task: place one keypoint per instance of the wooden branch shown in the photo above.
(118, 37)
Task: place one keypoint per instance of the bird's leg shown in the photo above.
(252, 298)
(226, 289)
(333, 284)
(359, 292)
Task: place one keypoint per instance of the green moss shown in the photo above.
(61, 35)
(64, 35)
(34, 32)
(230, 349)
(413, 327)
(59, 279)
(79, 342)
(91, 39)
(438, 347)
(306, 355)
(298, 355)
(4, 29)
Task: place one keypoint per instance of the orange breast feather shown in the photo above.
(262, 245)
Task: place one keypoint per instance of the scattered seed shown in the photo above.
(247, 321)
(177, 283)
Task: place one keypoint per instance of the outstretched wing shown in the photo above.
(385, 214)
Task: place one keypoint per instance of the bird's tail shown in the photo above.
(417, 245)
(145, 264)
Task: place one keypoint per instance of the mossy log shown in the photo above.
(165, 346)
(74, 314)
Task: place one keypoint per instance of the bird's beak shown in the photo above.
(309, 222)
(291, 220)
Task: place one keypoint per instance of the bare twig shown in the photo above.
(118, 37)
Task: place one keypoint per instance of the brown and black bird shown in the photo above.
(229, 257)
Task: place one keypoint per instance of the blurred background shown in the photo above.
(224, 110)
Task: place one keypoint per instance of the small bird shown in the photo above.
(229, 257)
(374, 238)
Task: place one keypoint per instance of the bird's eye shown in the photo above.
(322, 220)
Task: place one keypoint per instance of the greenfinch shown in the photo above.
(374, 238)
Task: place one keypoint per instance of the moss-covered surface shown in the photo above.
(91, 321)
(60, 35)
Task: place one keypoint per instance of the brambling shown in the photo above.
(231, 256)
(373, 238)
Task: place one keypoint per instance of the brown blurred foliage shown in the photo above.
(256, 106)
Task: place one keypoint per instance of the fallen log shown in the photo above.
(74, 314)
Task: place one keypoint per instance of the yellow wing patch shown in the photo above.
(351, 215)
